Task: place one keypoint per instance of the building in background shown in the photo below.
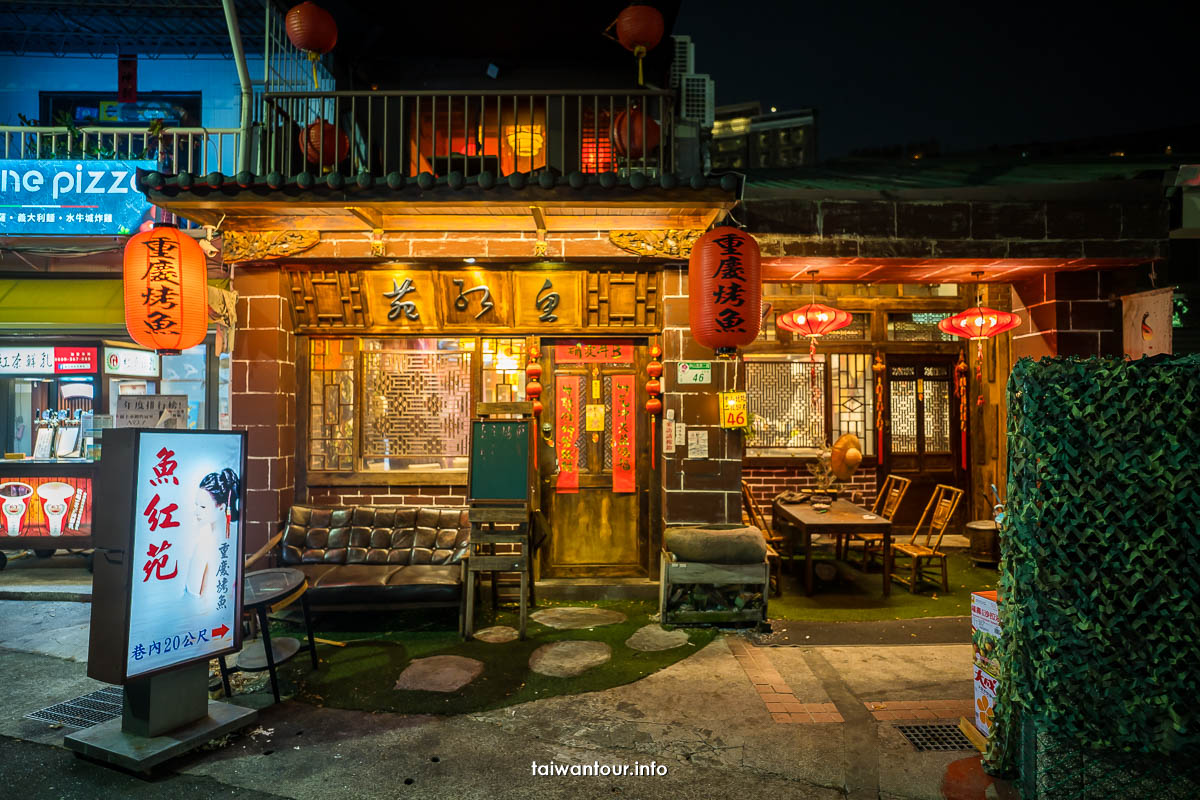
(743, 137)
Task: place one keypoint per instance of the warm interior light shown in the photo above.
(525, 140)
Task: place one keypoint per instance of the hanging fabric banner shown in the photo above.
(623, 433)
(569, 392)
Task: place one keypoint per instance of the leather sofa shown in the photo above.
(378, 554)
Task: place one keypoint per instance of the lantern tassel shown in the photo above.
(313, 58)
(652, 440)
(640, 52)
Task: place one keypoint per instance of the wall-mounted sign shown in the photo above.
(593, 351)
(1146, 322)
(695, 372)
(733, 409)
(185, 564)
(45, 506)
(151, 411)
(127, 361)
(47, 360)
(697, 443)
(46, 197)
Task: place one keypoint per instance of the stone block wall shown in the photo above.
(388, 495)
(767, 480)
(263, 398)
(1066, 314)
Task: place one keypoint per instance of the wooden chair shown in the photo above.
(938, 511)
(887, 503)
(752, 515)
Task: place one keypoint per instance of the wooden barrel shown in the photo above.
(985, 542)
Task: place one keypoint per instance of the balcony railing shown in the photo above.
(470, 133)
(195, 150)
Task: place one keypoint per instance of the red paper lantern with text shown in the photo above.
(324, 144)
(312, 29)
(166, 290)
(639, 29)
(725, 290)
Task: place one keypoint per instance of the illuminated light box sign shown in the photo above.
(45, 507)
(47, 197)
(47, 360)
(185, 565)
(127, 361)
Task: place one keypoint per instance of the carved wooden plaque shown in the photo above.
(548, 300)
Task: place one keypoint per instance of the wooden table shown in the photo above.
(800, 521)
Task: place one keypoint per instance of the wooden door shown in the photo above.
(923, 441)
(594, 531)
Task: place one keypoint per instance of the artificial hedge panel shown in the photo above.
(1100, 580)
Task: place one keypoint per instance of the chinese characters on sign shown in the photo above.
(185, 579)
(547, 301)
(477, 299)
(399, 305)
(151, 411)
(623, 433)
(45, 506)
(570, 391)
(47, 360)
(163, 278)
(729, 284)
(485, 301)
(594, 351)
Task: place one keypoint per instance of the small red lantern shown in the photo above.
(533, 389)
(324, 144)
(654, 405)
(639, 30)
(312, 29)
(634, 133)
(725, 290)
(166, 290)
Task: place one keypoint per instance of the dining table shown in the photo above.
(800, 522)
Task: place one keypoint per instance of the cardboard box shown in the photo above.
(985, 637)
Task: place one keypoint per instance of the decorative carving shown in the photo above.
(260, 246)
(660, 244)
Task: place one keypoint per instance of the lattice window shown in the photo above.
(855, 331)
(853, 393)
(331, 404)
(606, 440)
(503, 370)
(416, 405)
(787, 399)
(937, 415)
(904, 413)
(917, 327)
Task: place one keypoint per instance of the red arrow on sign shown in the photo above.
(219, 632)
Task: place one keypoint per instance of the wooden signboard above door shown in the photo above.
(593, 351)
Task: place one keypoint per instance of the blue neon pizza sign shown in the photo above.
(49, 197)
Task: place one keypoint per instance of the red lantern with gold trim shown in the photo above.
(725, 290)
(976, 324)
(312, 29)
(166, 290)
(639, 29)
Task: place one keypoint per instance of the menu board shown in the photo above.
(186, 570)
(151, 411)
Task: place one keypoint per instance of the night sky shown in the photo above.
(967, 74)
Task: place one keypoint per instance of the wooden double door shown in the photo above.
(924, 440)
(595, 530)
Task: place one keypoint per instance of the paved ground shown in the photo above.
(733, 720)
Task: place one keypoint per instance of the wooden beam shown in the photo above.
(371, 216)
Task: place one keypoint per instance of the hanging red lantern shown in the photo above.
(324, 144)
(634, 133)
(533, 391)
(311, 29)
(166, 290)
(976, 324)
(960, 390)
(725, 290)
(654, 405)
(814, 320)
(639, 29)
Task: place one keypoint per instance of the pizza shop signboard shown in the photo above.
(48, 197)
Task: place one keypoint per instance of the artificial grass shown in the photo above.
(855, 596)
(362, 675)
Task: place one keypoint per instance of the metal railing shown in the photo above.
(469, 132)
(195, 150)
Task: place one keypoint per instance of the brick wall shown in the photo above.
(388, 495)
(767, 481)
(1066, 314)
(697, 490)
(263, 398)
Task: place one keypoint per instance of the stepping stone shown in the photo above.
(653, 637)
(497, 634)
(568, 659)
(439, 673)
(574, 618)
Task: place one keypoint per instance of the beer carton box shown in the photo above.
(985, 637)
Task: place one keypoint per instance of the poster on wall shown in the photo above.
(152, 411)
(1146, 322)
(186, 569)
(46, 506)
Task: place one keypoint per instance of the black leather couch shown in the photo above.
(378, 554)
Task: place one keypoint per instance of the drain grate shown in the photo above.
(83, 712)
(935, 736)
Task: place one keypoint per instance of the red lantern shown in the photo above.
(725, 290)
(628, 136)
(324, 144)
(533, 371)
(538, 408)
(639, 30)
(654, 405)
(814, 321)
(653, 386)
(979, 323)
(166, 290)
(312, 29)
(533, 390)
